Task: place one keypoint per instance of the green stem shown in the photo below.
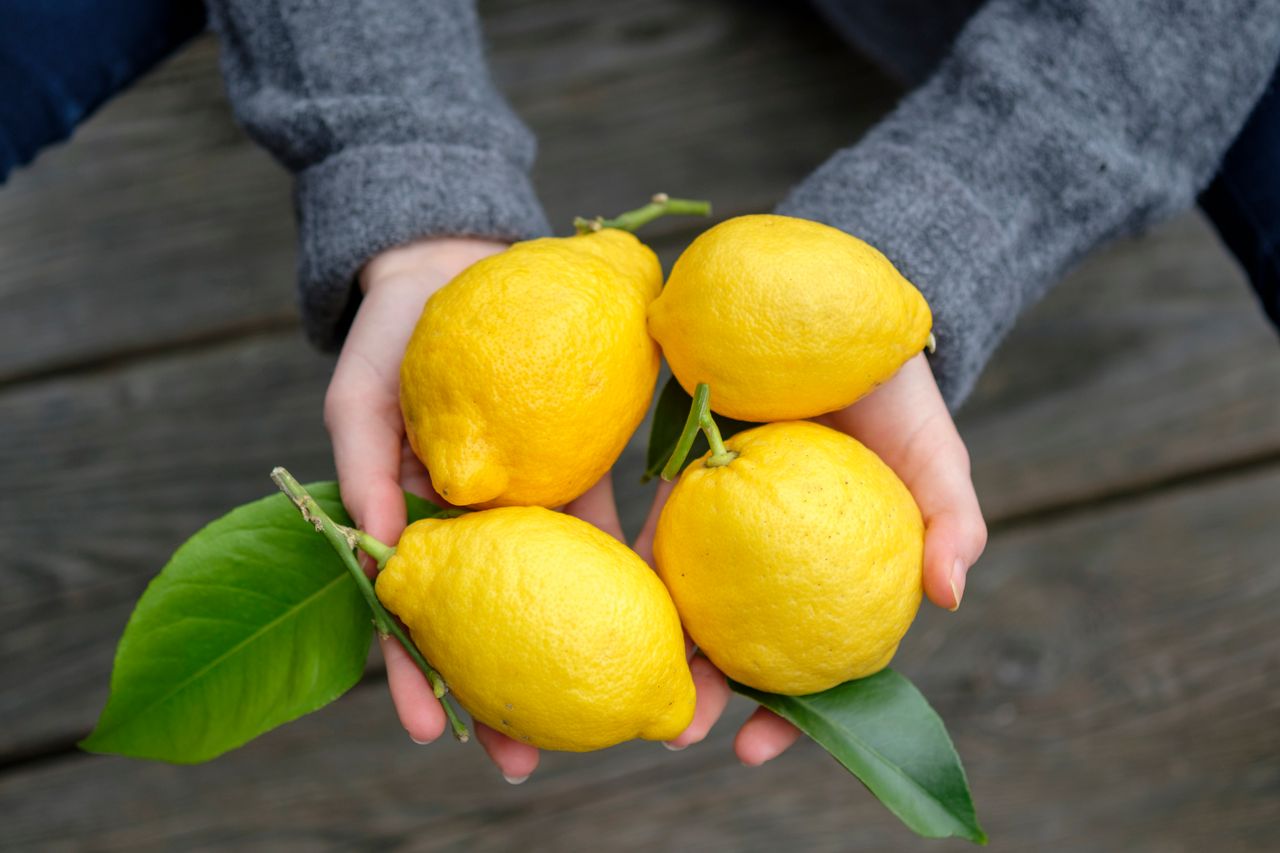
(701, 406)
(699, 419)
(344, 540)
(719, 455)
(661, 205)
(380, 551)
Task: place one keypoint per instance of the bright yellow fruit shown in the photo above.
(796, 566)
(786, 318)
(527, 374)
(544, 627)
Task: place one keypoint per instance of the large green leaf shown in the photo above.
(668, 421)
(252, 623)
(884, 732)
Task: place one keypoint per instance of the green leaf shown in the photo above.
(884, 732)
(252, 623)
(668, 421)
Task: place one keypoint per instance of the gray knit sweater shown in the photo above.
(1039, 129)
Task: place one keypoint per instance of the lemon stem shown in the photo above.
(660, 205)
(699, 419)
(380, 551)
(719, 455)
(344, 541)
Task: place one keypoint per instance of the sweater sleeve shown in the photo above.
(386, 114)
(1049, 129)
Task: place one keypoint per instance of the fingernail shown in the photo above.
(419, 742)
(957, 582)
(515, 780)
(673, 747)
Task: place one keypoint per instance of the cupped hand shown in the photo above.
(374, 461)
(907, 424)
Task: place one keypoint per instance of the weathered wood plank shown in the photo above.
(1109, 681)
(163, 223)
(160, 222)
(1151, 361)
(99, 471)
(729, 101)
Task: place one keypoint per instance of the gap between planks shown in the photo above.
(127, 356)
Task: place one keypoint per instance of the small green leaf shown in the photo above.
(884, 732)
(252, 623)
(668, 421)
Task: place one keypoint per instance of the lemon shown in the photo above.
(796, 566)
(786, 318)
(544, 627)
(527, 373)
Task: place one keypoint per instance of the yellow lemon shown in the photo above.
(796, 566)
(527, 374)
(786, 318)
(544, 627)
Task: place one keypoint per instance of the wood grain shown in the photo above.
(163, 224)
(1110, 683)
(1150, 362)
(159, 223)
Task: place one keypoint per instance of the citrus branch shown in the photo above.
(344, 540)
(660, 205)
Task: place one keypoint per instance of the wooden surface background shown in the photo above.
(1112, 680)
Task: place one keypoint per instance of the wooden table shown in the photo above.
(1112, 680)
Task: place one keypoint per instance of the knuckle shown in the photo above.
(978, 532)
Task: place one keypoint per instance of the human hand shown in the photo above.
(907, 424)
(375, 462)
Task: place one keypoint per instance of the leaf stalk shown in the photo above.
(344, 540)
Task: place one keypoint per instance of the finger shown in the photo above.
(598, 507)
(712, 696)
(763, 737)
(366, 430)
(419, 710)
(955, 532)
(955, 535)
(516, 761)
(644, 542)
(362, 408)
(366, 452)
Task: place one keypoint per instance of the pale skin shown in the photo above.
(905, 421)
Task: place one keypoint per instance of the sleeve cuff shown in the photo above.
(366, 200)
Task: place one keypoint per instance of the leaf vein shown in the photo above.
(834, 729)
(186, 682)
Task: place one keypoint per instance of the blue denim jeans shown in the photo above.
(1243, 201)
(61, 59)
